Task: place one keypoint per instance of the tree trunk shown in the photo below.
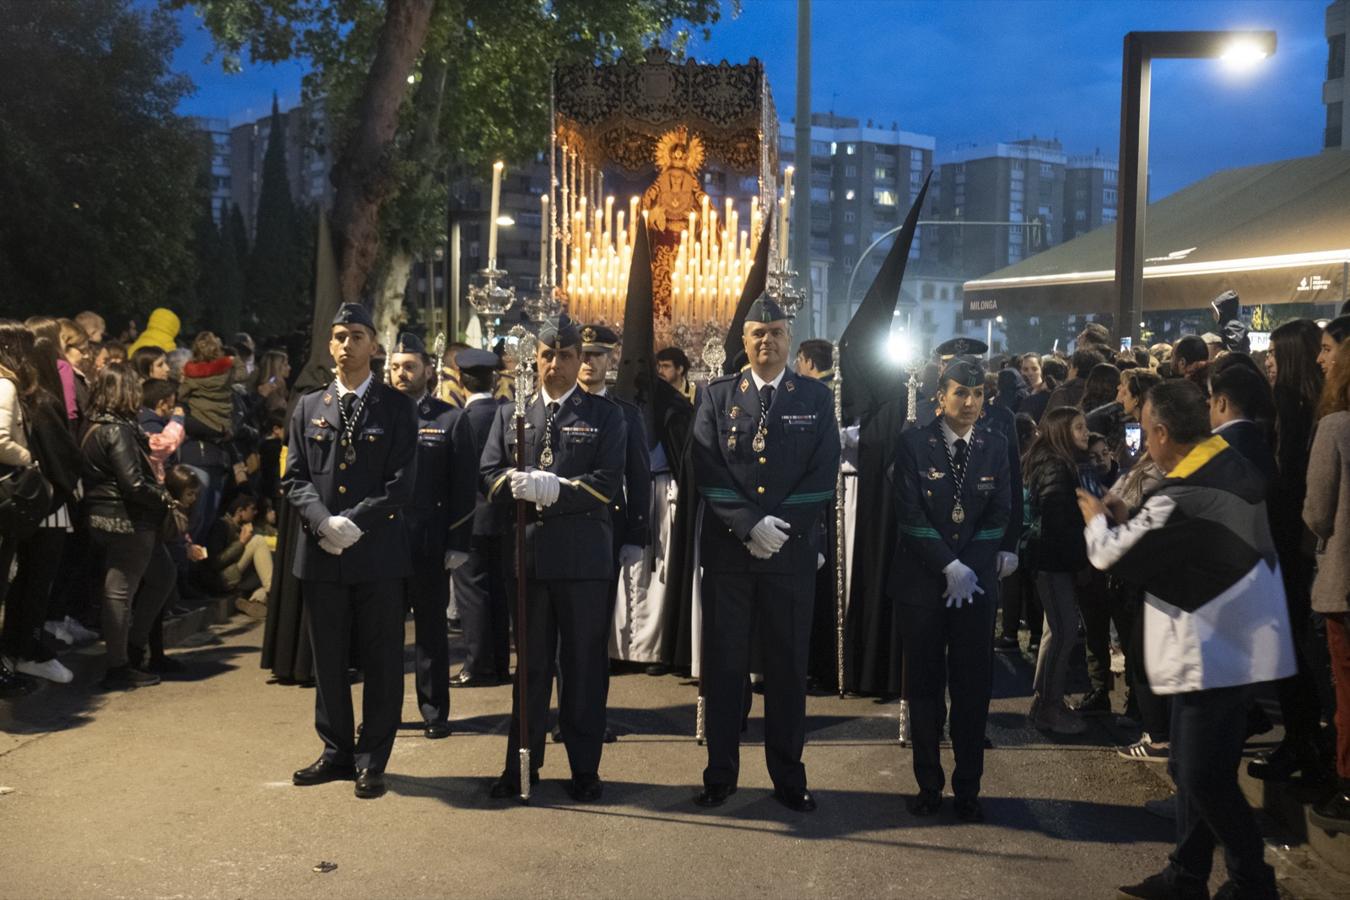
(388, 295)
(362, 176)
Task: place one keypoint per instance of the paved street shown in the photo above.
(183, 790)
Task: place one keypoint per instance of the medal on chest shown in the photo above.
(958, 513)
(757, 444)
(546, 458)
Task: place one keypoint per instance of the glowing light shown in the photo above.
(899, 348)
(1243, 54)
(505, 221)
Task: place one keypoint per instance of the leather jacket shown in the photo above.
(121, 493)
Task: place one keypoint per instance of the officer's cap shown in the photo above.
(409, 343)
(964, 371)
(354, 314)
(598, 338)
(559, 333)
(765, 310)
(961, 346)
(477, 359)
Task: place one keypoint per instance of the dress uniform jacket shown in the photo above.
(440, 513)
(488, 518)
(573, 538)
(925, 497)
(372, 491)
(793, 478)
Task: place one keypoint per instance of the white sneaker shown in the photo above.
(58, 630)
(77, 630)
(52, 670)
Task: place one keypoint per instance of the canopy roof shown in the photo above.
(1275, 233)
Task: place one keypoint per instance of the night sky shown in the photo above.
(980, 72)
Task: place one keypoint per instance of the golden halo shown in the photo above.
(681, 135)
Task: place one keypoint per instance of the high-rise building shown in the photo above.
(309, 159)
(863, 180)
(215, 135)
(1013, 196)
(1089, 195)
(1337, 133)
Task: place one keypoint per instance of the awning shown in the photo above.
(1276, 233)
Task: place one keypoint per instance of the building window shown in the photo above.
(1080, 215)
(850, 149)
(883, 197)
(1108, 176)
(881, 173)
(820, 195)
(1108, 196)
(850, 171)
(1017, 165)
(916, 158)
(1047, 170)
(1335, 57)
(820, 148)
(1108, 215)
(850, 215)
(834, 148)
(926, 291)
(928, 315)
(1334, 136)
(849, 194)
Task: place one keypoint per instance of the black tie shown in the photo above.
(959, 455)
(348, 405)
(765, 401)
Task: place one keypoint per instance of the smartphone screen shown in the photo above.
(1134, 437)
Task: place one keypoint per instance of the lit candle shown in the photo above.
(543, 238)
(492, 216)
(782, 229)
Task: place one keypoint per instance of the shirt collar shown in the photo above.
(760, 382)
(544, 395)
(343, 391)
(951, 437)
(474, 398)
(1221, 428)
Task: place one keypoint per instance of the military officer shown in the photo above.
(953, 504)
(480, 584)
(632, 507)
(350, 469)
(766, 451)
(575, 450)
(438, 523)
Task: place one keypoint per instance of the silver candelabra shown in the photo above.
(491, 300)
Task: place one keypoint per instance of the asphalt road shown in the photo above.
(183, 790)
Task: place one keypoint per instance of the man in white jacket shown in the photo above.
(1215, 623)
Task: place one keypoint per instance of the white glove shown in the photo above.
(330, 547)
(454, 559)
(962, 585)
(848, 437)
(539, 488)
(340, 531)
(757, 552)
(630, 554)
(820, 561)
(769, 535)
(1007, 563)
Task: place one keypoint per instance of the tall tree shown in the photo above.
(96, 170)
(277, 271)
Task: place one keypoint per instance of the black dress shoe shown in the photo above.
(470, 680)
(925, 803)
(370, 784)
(506, 786)
(795, 799)
(166, 666)
(323, 771)
(437, 730)
(1286, 762)
(1161, 887)
(657, 669)
(968, 809)
(714, 795)
(586, 788)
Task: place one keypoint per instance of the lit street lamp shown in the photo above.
(1239, 48)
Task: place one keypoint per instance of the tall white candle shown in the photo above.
(543, 238)
(492, 216)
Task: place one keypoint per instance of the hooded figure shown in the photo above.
(1228, 313)
(160, 331)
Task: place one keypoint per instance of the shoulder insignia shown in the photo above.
(745, 385)
(327, 399)
(576, 399)
(790, 385)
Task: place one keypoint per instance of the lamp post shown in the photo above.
(1141, 48)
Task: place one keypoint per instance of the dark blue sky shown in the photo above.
(981, 71)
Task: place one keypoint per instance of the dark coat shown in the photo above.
(1056, 543)
(925, 497)
(440, 513)
(488, 518)
(792, 478)
(372, 491)
(54, 448)
(571, 540)
(632, 507)
(121, 493)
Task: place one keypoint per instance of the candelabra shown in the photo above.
(544, 304)
(491, 300)
(781, 285)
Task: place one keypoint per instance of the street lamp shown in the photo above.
(989, 336)
(1237, 48)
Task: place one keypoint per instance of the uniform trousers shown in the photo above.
(949, 649)
(567, 625)
(1208, 730)
(739, 607)
(371, 613)
(481, 598)
(428, 594)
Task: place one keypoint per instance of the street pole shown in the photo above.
(800, 249)
(1133, 186)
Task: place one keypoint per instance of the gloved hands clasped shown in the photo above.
(535, 486)
(768, 537)
(962, 584)
(337, 533)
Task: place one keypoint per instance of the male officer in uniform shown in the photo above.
(574, 451)
(437, 521)
(480, 584)
(953, 504)
(632, 508)
(350, 469)
(766, 451)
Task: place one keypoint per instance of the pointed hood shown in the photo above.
(637, 365)
(754, 286)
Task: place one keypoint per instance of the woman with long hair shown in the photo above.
(1333, 335)
(1056, 552)
(45, 328)
(1326, 512)
(1297, 381)
(150, 362)
(125, 506)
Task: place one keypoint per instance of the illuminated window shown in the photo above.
(848, 194)
(883, 197)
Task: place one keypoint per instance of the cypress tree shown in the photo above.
(276, 276)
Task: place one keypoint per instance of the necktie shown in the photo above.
(765, 401)
(959, 454)
(348, 405)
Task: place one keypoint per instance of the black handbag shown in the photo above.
(25, 500)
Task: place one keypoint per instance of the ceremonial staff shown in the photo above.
(911, 415)
(714, 358)
(839, 537)
(525, 351)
